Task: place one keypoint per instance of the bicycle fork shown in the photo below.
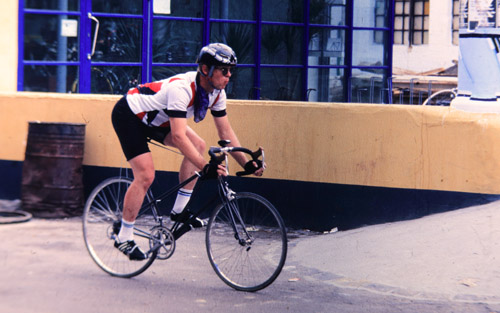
(235, 216)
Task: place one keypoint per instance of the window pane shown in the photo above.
(398, 23)
(407, 22)
(365, 13)
(456, 7)
(50, 78)
(114, 79)
(233, 9)
(42, 40)
(398, 37)
(283, 11)
(337, 12)
(369, 86)
(162, 72)
(380, 21)
(190, 8)
(118, 40)
(281, 44)
(176, 41)
(426, 37)
(407, 6)
(399, 8)
(419, 8)
(417, 38)
(240, 37)
(417, 22)
(365, 51)
(326, 46)
(67, 5)
(240, 84)
(426, 23)
(327, 12)
(280, 83)
(117, 6)
(325, 84)
(455, 38)
(406, 37)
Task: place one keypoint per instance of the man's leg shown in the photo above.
(144, 174)
(143, 170)
(187, 169)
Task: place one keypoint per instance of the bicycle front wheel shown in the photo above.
(101, 221)
(246, 242)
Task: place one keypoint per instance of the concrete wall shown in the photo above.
(412, 147)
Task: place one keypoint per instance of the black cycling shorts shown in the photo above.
(132, 132)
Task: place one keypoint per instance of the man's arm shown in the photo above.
(225, 131)
(178, 129)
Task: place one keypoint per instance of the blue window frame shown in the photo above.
(317, 50)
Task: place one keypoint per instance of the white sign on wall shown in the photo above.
(69, 28)
(161, 6)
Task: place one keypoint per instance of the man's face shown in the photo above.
(220, 77)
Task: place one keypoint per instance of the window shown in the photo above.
(411, 22)
(381, 20)
(287, 49)
(455, 22)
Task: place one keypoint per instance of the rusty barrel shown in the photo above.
(52, 184)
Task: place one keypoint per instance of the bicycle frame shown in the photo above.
(225, 196)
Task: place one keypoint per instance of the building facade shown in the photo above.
(316, 50)
(425, 35)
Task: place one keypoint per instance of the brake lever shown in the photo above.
(255, 157)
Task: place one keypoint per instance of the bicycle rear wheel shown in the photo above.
(251, 258)
(101, 221)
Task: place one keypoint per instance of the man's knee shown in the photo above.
(200, 145)
(145, 179)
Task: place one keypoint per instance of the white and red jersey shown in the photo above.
(154, 102)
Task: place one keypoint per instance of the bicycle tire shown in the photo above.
(247, 267)
(102, 210)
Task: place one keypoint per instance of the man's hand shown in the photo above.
(212, 170)
(255, 167)
(260, 171)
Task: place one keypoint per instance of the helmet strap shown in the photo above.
(210, 71)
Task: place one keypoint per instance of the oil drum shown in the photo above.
(52, 185)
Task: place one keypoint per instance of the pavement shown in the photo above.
(449, 256)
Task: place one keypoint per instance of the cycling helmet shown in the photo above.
(216, 54)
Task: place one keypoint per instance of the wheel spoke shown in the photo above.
(257, 261)
(102, 210)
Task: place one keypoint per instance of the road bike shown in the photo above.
(246, 238)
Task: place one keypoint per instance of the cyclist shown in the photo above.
(159, 110)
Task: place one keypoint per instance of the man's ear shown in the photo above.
(204, 69)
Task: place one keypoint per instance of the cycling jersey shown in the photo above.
(154, 103)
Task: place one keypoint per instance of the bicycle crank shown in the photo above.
(162, 241)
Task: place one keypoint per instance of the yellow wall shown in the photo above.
(435, 148)
(8, 45)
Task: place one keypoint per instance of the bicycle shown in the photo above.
(246, 239)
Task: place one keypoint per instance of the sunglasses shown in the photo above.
(225, 70)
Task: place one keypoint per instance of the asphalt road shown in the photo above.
(45, 268)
